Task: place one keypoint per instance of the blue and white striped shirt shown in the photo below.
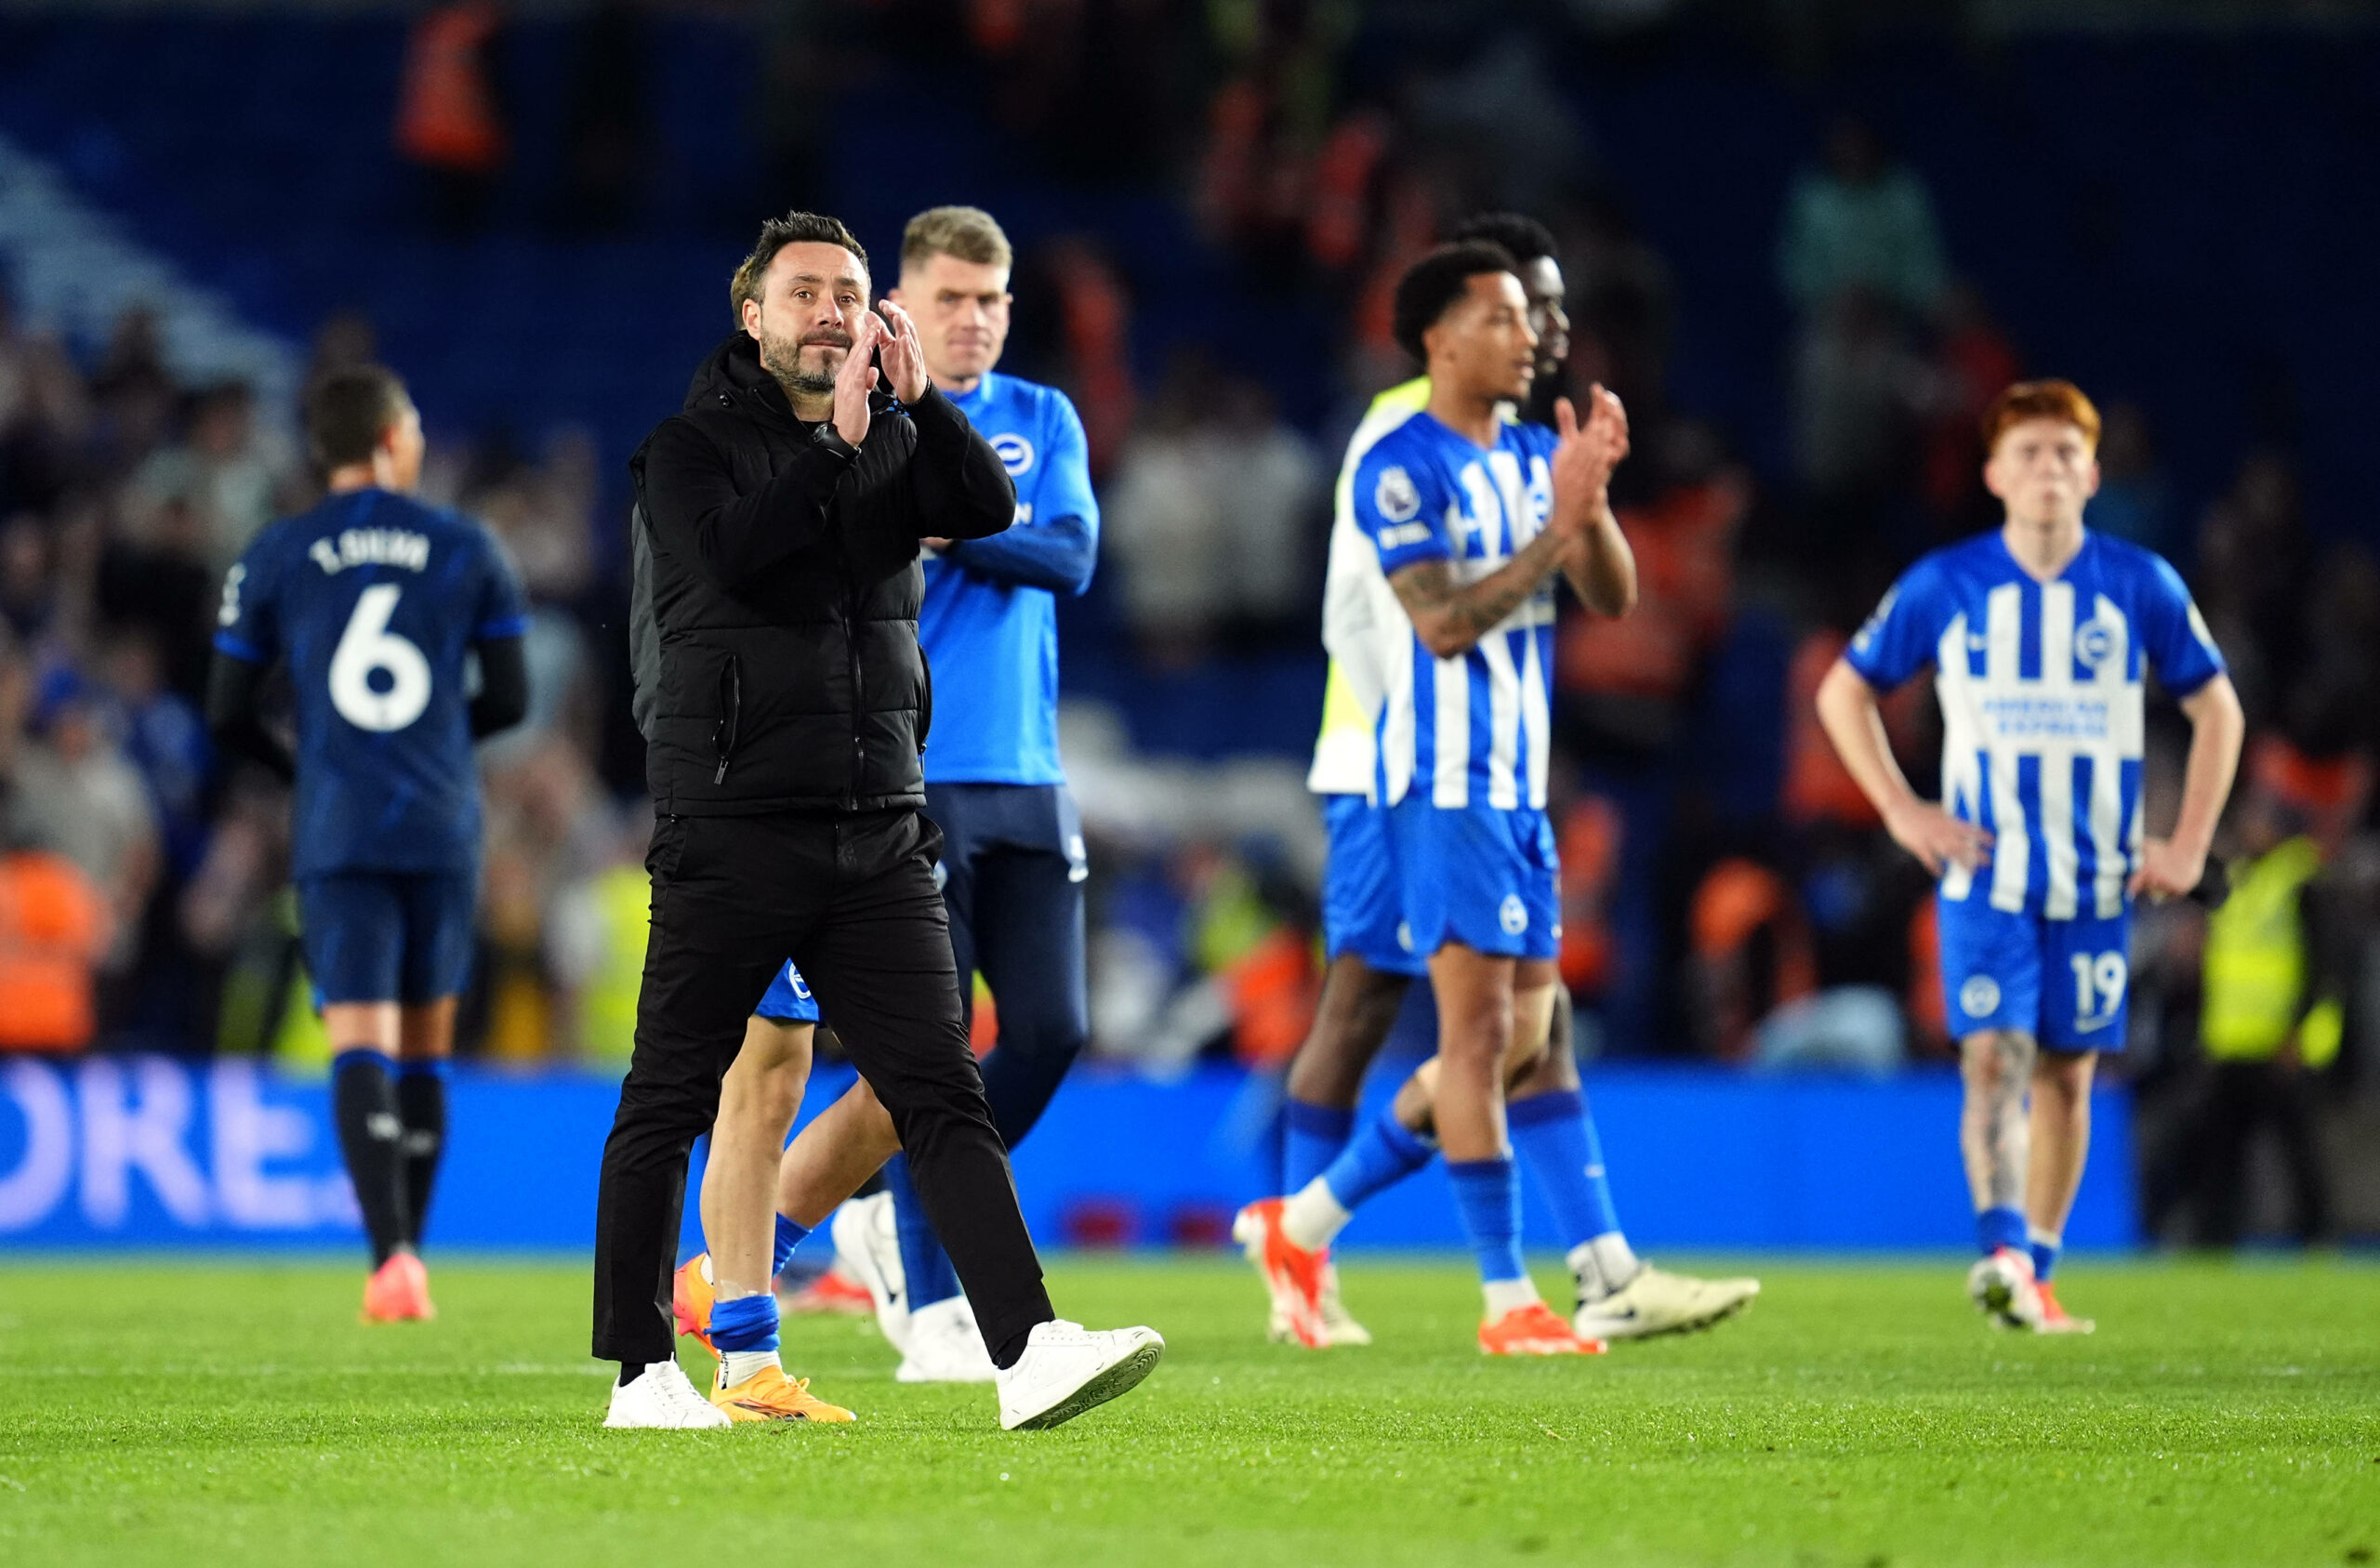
(2043, 714)
(1473, 730)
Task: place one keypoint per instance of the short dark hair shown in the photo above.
(793, 229)
(348, 412)
(1523, 236)
(1431, 287)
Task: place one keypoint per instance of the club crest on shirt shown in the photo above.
(1395, 496)
(1016, 453)
(1979, 996)
(2094, 642)
(1512, 914)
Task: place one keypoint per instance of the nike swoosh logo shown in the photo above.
(2082, 1028)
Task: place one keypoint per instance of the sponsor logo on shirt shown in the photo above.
(1016, 453)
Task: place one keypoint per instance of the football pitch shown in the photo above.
(197, 1413)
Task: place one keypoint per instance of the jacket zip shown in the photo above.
(723, 735)
(859, 740)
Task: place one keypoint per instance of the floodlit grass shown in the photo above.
(194, 1413)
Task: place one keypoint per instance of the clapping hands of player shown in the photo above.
(1586, 455)
(1937, 839)
(2167, 871)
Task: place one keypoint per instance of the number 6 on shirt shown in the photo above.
(368, 645)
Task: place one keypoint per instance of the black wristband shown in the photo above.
(832, 440)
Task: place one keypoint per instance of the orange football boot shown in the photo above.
(1293, 1274)
(2056, 1319)
(769, 1395)
(1534, 1330)
(398, 1291)
(835, 1292)
(692, 1296)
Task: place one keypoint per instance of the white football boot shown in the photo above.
(946, 1346)
(1067, 1369)
(663, 1397)
(1339, 1326)
(1657, 1302)
(867, 1244)
(2003, 1289)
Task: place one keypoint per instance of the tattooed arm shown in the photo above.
(1451, 618)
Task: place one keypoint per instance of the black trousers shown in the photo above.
(853, 900)
(1012, 856)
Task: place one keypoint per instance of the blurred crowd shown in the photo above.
(1728, 894)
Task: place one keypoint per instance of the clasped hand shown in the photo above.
(1584, 457)
(904, 370)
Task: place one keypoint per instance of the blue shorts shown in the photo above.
(387, 936)
(2063, 982)
(787, 999)
(1363, 911)
(1485, 877)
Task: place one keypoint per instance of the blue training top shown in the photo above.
(990, 621)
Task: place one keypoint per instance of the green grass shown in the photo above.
(194, 1414)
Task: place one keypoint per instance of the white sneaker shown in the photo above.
(1067, 1369)
(663, 1396)
(2003, 1289)
(946, 1346)
(867, 1244)
(1657, 1302)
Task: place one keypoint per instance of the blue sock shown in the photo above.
(1996, 1228)
(1488, 1192)
(748, 1322)
(1312, 1137)
(2045, 1248)
(423, 1067)
(1377, 1158)
(788, 1237)
(930, 1276)
(1556, 1135)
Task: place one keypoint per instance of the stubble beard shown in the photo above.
(781, 357)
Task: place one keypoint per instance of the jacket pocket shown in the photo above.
(731, 714)
(925, 703)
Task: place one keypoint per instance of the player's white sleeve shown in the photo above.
(1353, 589)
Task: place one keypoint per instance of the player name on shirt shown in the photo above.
(371, 547)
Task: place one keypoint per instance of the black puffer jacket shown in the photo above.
(774, 616)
